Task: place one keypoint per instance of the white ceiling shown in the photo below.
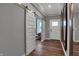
(46, 11)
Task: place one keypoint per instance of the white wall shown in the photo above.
(57, 33)
(76, 27)
(11, 30)
(43, 30)
(47, 27)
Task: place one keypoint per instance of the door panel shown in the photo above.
(30, 32)
(54, 31)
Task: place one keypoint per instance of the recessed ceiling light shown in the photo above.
(49, 6)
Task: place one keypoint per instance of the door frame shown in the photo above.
(71, 31)
(64, 26)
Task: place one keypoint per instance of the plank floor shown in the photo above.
(76, 49)
(48, 48)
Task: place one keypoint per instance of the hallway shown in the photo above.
(39, 29)
(48, 48)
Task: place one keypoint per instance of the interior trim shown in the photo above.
(51, 39)
(21, 6)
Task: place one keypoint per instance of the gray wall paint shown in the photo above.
(11, 30)
(48, 26)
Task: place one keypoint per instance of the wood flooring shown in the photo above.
(76, 49)
(48, 48)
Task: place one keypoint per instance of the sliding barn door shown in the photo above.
(30, 32)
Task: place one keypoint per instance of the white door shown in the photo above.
(30, 32)
(54, 30)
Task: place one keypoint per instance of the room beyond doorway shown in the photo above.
(38, 28)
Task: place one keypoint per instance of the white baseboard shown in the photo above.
(63, 48)
(76, 40)
(23, 54)
(51, 38)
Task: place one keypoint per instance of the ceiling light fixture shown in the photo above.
(19, 3)
(49, 6)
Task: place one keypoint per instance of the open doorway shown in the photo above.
(38, 28)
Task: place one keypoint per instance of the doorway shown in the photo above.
(38, 28)
(54, 31)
